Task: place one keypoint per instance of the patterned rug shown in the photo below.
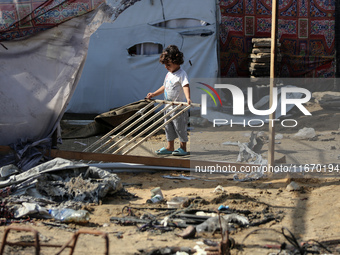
(305, 30)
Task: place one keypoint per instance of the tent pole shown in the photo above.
(272, 82)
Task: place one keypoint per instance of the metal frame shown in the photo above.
(38, 245)
(107, 143)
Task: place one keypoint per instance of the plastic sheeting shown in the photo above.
(113, 78)
(59, 181)
(38, 76)
(39, 72)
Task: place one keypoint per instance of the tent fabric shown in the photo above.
(38, 76)
(113, 78)
(305, 30)
(39, 73)
(20, 19)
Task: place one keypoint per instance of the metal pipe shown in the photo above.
(128, 127)
(19, 228)
(147, 129)
(139, 127)
(152, 101)
(175, 116)
(176, 103)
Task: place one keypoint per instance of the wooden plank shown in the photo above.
(260, 65)
(261, 60)
(260, 50)
(259, 71)
(106, 157)
(260, 55)
(261, 44)
(261, 40)
(265, 42)
(149, 161)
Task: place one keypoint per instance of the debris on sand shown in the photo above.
(305, 134)
(293, 186)
(58, 182)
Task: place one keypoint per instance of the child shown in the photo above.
(175, 88)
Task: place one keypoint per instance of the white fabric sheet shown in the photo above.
(38, 76)
(112, 78)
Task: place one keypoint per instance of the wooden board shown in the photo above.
(150, 161)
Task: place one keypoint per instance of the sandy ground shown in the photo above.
(312, 212)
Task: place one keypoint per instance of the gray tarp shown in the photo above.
(63, 180)
(38, 76)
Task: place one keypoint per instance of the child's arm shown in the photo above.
(186, 90)
(156, 93)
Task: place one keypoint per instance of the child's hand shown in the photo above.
(149, 95)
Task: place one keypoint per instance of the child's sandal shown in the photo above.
(163, 151)
(179, 152)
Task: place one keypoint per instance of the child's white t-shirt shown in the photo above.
(173, 84)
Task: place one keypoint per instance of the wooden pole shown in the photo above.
(272, 82)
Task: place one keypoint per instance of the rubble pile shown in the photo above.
(58, 182)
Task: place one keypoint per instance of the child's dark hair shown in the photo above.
(171, 54)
